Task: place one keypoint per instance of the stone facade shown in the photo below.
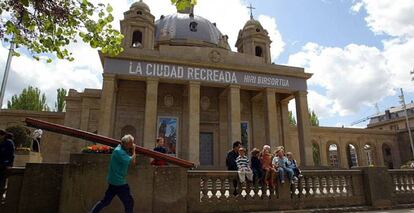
(51, 142)
(183, 72)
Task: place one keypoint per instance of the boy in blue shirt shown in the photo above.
(118, 169)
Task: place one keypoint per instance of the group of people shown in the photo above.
(263, 166)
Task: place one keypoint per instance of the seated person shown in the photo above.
(279, 163)
(256, 166)
(243, 168)
(292, 164)
(266, 159)
(159, 148)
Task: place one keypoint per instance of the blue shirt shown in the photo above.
(280, 161)
(118, 167)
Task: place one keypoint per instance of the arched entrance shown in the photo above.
(369, 153)
(316, 154)
(386, 152)
(333, 155)
(352, 156)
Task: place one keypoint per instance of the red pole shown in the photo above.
(103, 140)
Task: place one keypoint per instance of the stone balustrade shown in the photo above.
(213, 191)
(75, 187)
(403, 190)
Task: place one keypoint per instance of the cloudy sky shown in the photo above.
(360, 51)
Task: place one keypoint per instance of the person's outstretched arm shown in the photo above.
(133, 156)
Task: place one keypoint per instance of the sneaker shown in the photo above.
(295, 179)
(282, 181)
(300, 175)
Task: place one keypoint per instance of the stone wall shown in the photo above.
(50, 144)
(77, 186)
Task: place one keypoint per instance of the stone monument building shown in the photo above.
(177, 78)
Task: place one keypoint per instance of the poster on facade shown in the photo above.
(245, 134)
(167, 129)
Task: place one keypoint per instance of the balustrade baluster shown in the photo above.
(402, 184)
(407, 183)
(412, 182)
(338, 185)
(319, 186)
(203, 187)
(343, 186)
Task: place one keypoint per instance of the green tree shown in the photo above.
(50, 26)
(313, 118)
(292, 119)
(29, 99)
(60, 100)
(183, 4)
(21, 136)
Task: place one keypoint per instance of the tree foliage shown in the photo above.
(313, 118)
(292, 119)
(21, 136)
(183, 4)
(49, 26)
(60, 100)
(29, 99)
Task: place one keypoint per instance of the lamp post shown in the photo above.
(6, 73)
(402, 101)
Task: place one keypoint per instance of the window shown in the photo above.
(193, 26)
(259, 51)
(137, 39)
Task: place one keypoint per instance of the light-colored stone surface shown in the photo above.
(150, 119)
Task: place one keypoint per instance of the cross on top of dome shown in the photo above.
(251, 10)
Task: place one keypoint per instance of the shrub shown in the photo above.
(21, 136)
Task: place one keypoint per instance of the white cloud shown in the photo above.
(353, 76)
(357, 7)
(392, 17)
(86, 70)
(270, 25)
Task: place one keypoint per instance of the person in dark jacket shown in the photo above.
(6, 157)
(231, 162)
(256, 166)
(159, 148)
(232, 156)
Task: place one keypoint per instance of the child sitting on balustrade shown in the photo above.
(292, 164)
(244, 170)
(266, 159)
(279, 163)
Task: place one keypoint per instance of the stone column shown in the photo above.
(343, 155)
(233, 99)
(108, 101)
(323, 153)
(378, 154)
(150, 120)
(303, 124)
(285, 121)
(194, 122)
(270, 118)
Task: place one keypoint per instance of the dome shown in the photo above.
(185, 29)
(140, 4)
(253, 23)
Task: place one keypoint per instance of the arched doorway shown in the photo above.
(333, 155)
(316, 154)
(386, 152)
(369, 153)
(352, 156)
